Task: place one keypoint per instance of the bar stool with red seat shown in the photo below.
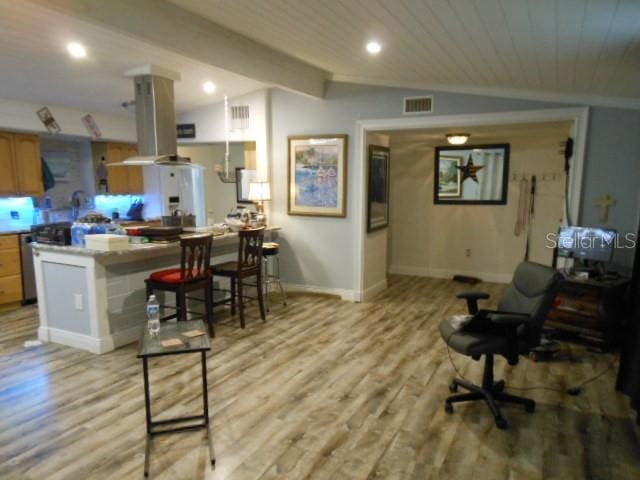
(194, 274)
(248, 264)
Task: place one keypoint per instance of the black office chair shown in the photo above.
(512, 330)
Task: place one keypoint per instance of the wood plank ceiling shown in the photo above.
(570, 47)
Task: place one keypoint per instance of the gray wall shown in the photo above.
(320, 251)
(613, 166)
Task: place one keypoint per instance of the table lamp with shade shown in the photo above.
(260, 192)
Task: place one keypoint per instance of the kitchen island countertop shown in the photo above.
(135, 248)
(95, 300)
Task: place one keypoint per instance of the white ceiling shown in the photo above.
(35, 67)
(525, 47)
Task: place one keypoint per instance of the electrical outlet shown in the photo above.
(78, 300)
(467, 252)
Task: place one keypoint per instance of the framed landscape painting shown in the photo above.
(378, 191)
(449, 184)
(318, 175)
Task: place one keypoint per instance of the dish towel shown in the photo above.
(523, 208)
(48, 179)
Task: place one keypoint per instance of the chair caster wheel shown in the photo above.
(453, 387)
(448, 408)
(530, 407)
(501, 423)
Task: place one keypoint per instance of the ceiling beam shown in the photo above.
(168, 26)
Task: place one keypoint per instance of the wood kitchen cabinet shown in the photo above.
(10, 271)
(21, 165)
(121, 180)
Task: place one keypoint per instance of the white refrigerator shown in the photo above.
(169, 188)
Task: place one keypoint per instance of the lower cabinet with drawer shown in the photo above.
(10, 271)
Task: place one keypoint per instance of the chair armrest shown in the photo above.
(473, 295)
(472, 300)
(508, 319)
(509, 322)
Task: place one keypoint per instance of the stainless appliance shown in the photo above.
(28, 275)
(155, 118)
(52, 233)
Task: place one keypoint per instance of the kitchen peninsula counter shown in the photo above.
(95, 300)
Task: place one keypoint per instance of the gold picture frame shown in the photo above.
(317, 175)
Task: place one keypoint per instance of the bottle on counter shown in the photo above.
(153, 315)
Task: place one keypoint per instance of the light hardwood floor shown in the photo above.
(324, 389)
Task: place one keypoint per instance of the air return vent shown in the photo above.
(417, 105)
(239, 117)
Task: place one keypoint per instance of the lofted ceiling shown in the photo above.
(35, 66)
(528, 48)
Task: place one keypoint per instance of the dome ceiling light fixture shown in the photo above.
(457, 138)
(76, 50)
(373, 47)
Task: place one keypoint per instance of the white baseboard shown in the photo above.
(443, 273)
(73, 339)
(89, 343)
(348, 295)
(130, 335)
(374, 289)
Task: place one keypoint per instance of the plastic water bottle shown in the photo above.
(153, 315)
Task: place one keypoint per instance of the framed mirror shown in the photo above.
(244, 176)
(471, 174)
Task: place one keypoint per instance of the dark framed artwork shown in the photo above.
(378, 188)
(243, 178)
(318, 175)
(471, 174)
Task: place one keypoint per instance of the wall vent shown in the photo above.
(417, 105)
(239, 117)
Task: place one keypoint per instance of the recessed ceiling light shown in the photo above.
(76, 50)
(373, 48)
(457, 138)
(209, 87)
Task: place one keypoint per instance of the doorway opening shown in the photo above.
(430, 239)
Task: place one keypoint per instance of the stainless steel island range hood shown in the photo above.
(155, 118)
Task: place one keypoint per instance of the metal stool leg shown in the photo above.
(284, 295)
(266, 280)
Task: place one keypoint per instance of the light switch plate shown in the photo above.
(78, 300)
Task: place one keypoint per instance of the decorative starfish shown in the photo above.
(470, 170)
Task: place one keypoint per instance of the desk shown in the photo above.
(150, 346)
(590, 308)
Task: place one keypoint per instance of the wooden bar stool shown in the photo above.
(271, 275)
(194, 274)
(249, 264)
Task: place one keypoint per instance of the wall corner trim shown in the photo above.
(348, 295)
(373, 290)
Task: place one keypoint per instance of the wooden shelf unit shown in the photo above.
(592, 309)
